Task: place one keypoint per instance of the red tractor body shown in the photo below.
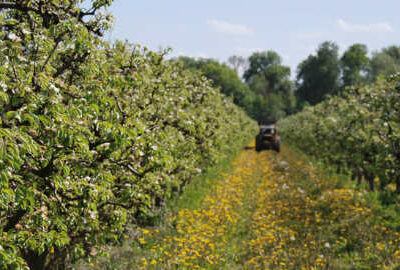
(268, 138)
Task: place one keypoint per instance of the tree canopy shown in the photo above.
(267, 95)
(384, 63)
(355, 63)
(222, 77)
(237, 63)
(270, 81)
(318, 75)
(268, 92)
(94, 136)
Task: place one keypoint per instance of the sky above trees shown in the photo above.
(219, 29)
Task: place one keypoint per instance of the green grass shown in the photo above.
(194, 193)
(313, 177)
(190, 197)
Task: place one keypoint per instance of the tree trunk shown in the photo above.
(359, 176)
(36, 261)
(353, 175)
(370, 178)
(398, 185)
(338, 169)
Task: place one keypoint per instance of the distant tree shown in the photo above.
(226, 79)
(384, 63)
(268, 110)
(188, 62)
(238, 63)
(260, 62)
(394, 52)
(289, 97)
(222, 77)
(268, 65)
(318, 75)
(259, 99)
(260, 85)
(267, 77)
(354, 64)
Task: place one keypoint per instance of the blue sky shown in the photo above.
(221, 28)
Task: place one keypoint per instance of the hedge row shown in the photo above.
(94, 136)
(359, 132)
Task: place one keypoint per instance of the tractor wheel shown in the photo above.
(258, 146)
(278, 147)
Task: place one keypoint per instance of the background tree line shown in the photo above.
(263, 86)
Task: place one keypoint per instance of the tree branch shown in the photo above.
(58, 41)
(14, 220)
(129, 167)
(124, 115)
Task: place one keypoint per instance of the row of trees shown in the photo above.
(359, 132)
(328, 73)
(94, 136)
(267, 92)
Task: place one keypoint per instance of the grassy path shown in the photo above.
(274, 212)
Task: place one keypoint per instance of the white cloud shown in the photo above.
(364, 28)
(228, 28)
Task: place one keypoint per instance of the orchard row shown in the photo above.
(358, 132)
(94, 136)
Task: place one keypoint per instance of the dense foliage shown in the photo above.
(354, 64)
(325, 73)
(267, 93)
(318, 75)
(385, 62)
(359, 132)
(93, 136)
(269, 78)
(222, 77)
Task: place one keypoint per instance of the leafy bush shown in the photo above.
(93, 136)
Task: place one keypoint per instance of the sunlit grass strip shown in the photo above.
(202, 236)
(315, 225)
(271, 215)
